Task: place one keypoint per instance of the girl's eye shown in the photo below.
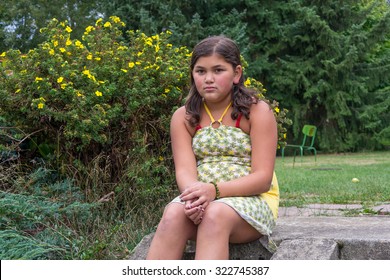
(199, 71)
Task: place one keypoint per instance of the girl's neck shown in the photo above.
(218, 106)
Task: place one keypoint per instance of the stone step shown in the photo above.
(307, 249)
(316, 237)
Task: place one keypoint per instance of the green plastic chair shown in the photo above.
(309, 135)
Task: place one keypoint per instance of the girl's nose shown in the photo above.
(209, 77)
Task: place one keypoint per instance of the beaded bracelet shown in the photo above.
(217, 193)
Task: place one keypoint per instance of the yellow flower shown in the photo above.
(62, 50)
(63, 86)
(168, 32)
(37, 79)
(97, 58)
(60, 79)
(247, 82)
(68, 42)
(68, 29)
(98, 93)
(124, 70)
(51, 52)
(55, 43)
(277, 109)
(18, 90)
(169, 45)
(285, 136)
(40, 105)
(89, 29)
(131, 64)
(89, 56)
(121, 48)
(167, 90)
(170, 68)
(3, 54)
(107, 24)
(98, 21)
(79, 44)
(115, 19)
(148, 42)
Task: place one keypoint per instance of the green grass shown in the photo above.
(329, 180)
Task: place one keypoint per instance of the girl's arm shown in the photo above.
(183, 156)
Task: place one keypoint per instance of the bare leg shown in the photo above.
(172, 234)
(221, 225)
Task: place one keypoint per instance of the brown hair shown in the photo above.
(242, 96)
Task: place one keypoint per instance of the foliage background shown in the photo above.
(85, 161)
(325, 61)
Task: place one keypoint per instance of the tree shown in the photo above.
(317, 57)
(20, 21)
(189, 20)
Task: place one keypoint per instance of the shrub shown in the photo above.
(101, 100)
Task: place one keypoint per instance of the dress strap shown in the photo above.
(211, 116)
(238, 120)
(198, 127)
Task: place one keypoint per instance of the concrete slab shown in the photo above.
(307, 249)
(358, 238)
(337, 228)
(312, 237)
(383, 209)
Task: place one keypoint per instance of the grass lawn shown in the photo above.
(329, 180)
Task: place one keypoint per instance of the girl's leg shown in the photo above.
(172, 234)
(221, 225)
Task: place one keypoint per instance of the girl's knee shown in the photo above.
(216, 217)
(173, 217)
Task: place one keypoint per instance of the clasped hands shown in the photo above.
(197, 197)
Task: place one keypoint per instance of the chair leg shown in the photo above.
(301, 154)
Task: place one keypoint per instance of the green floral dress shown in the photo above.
(223, 154)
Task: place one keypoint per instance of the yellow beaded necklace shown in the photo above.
(211, 116)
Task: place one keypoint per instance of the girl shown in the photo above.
(224, 144)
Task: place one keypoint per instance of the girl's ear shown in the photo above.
(237, 74)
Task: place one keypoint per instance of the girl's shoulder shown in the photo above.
(260, 107)
(180, 119)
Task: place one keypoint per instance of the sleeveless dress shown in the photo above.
(223, 154)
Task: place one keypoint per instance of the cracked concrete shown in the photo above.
(315, 232)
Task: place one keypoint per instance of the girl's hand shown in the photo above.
(195, 214)
(198, 194)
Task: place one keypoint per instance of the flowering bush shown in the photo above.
(78, 100)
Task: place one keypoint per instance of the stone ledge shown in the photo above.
(307, 249)
(358, 238)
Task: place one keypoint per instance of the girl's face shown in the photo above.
(214, 78)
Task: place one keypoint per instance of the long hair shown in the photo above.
(242, 97)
